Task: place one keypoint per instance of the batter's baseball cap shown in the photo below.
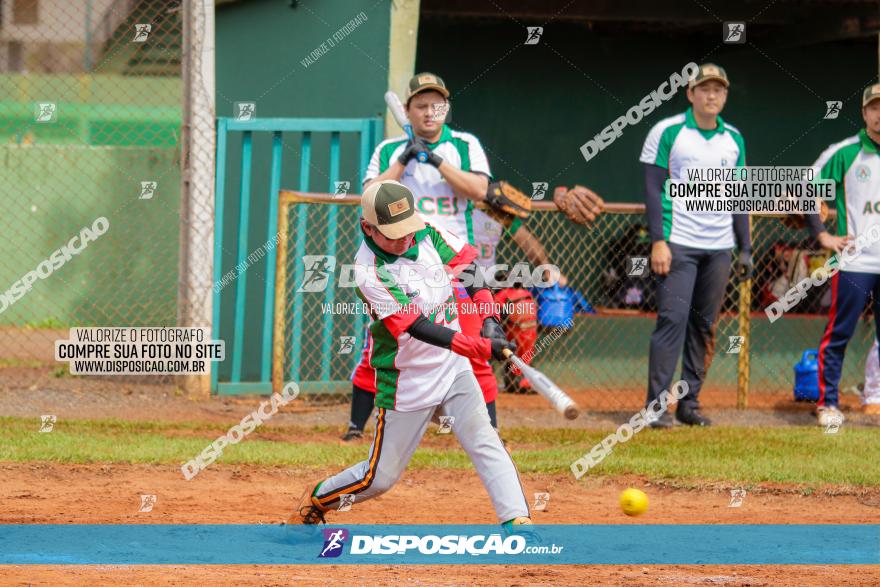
(422, 82)
(871, 93)
(707, 72)
(390, 207)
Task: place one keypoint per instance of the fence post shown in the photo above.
(745, 327)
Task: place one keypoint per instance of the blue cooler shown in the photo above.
(555, 305)
(806, 377)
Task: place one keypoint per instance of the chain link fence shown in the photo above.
(603, 358)
(92, 130)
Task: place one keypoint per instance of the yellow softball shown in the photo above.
(633, 502)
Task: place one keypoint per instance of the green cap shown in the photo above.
(390, 207)
(707, 72)
(422, 82)
(871, 93)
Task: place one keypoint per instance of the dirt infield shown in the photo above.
(50, 493)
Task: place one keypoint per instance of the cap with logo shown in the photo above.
(390, 207)
(422, 82)
(871, 93)
(707, 72)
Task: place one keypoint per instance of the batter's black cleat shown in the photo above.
(352, 434)
(661, 422)
(308, 512)
(691, 416)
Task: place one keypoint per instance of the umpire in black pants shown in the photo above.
(691, 252)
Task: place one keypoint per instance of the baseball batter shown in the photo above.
(421, 363)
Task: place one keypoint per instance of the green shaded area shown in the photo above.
(125, 277)
(795, 455)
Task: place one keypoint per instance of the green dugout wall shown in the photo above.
(533, 106)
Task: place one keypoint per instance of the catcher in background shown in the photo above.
(446, 187)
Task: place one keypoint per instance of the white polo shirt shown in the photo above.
(435, 199)
(676, 143)
(854, 165)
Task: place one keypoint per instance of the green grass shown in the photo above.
(795, 455)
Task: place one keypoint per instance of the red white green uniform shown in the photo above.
(410, 374)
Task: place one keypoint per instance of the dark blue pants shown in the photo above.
(688, 301)
(850, 292)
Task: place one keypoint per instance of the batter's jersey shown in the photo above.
(411, 374)
(854, 165)
(676, 143)
(435, 199)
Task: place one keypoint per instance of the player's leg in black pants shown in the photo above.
(361, 407)
(713, 273)
(674, 292)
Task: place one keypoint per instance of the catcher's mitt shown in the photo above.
(505, 198)
(797, 221)
(581, 205)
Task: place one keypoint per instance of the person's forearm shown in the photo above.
(532, 247)
(742, 233)
(814, 224)
(655, 177)
(428, 332)
(395, 172)
(473, 186)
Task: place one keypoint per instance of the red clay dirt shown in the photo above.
(53, 493)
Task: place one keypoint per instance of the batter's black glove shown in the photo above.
(744, 267)
(498, 346)
(412, 150)
(492, 329)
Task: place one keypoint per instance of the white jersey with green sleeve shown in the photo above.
(854, 165)
(411, 374)
(435, 199)
(676, 143)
